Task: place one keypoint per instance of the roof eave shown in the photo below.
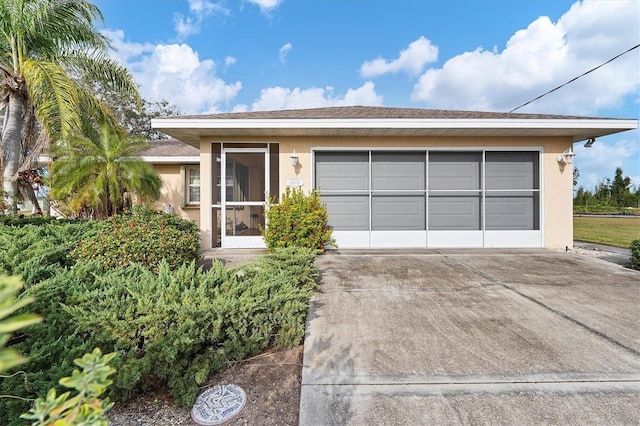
(189, 130)
(166, 159)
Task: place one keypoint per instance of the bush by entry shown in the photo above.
(170, 326)
(299, 220)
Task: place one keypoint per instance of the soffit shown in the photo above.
(190, 130)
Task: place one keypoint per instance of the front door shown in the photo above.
(245, 173)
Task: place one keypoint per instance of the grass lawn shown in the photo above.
(612, 231)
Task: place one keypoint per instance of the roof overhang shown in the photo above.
(157, 159)
(190, 130)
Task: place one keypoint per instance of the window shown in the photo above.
(192, 191)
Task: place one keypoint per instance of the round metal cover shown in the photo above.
(218, 405)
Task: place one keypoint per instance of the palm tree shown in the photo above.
(47, 49)
(97, 174)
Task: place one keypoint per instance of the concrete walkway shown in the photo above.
(612, 254)
(471, 337)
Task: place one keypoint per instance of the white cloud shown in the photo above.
(411, 60)
(206, 8)
(277, 98)
(175, 72)
(283, 51)
(229, 60)
(200, 9)
(541, 57)
(185, 26)
(266, 6)
(124, 51)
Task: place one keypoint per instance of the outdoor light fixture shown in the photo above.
(294, 158)
(566, 157)
(590, 143)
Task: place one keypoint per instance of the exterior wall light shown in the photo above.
(566, 157)
(294, 158)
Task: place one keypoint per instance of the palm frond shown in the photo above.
(54, 95)
(70, 23)
(99, 170)
(97, 67)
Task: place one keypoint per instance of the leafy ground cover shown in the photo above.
(612, 231)
(172, 327)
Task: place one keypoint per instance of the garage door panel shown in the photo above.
(398, 212)
(432, 198)
(343, 171)
(347, 212)
(511, 170)
(454, 170)
(398, 239)
(398, 171)
(454, 239)
(454, 212)
(512, 211)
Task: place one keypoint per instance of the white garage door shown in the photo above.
(431, 198)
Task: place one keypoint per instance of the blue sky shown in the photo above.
(239, 55)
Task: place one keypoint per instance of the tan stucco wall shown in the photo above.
(170, 192)
(556, 185)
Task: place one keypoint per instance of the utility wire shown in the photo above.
(574, 79)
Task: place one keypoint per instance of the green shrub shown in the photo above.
(173, 328)
(298, 221)
(179, 327)
(141, 236)
(86, 407)
(37, 252)
(634, 260)
(9, 323)
(21, 220)
(51, 345)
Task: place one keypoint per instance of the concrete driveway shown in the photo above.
(471, 337)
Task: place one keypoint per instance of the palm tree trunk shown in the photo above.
(11, 139)
(28, 191)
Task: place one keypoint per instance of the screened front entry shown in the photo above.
(485, 198)
(244, 176)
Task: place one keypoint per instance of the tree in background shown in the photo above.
(615, 193)
(137, 120)
(98, 176)
(132, 112)
(620, 192)
(46, 46)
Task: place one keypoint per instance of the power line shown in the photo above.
(574, 79)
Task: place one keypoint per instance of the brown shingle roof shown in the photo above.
(371, 112)
(169, 148)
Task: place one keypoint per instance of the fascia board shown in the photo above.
(178, 123)
(148, 159)
(171, 160)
